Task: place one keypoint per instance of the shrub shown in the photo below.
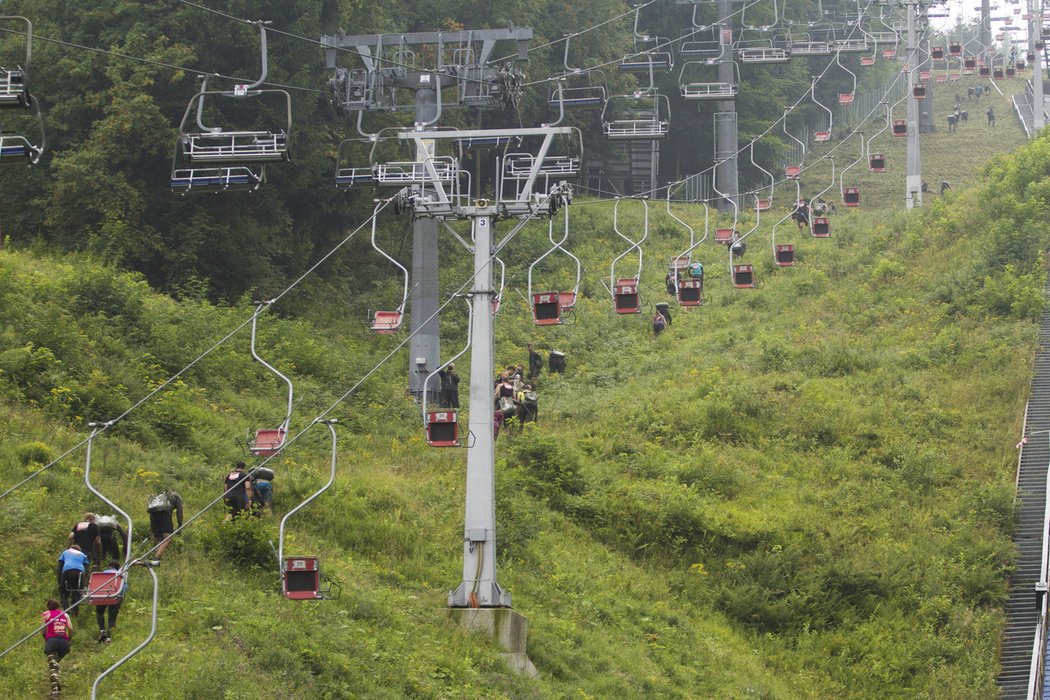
(550, 471)
(35, 453)
(242, 542)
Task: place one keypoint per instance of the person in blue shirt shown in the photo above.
(72, 566)
(110, 611)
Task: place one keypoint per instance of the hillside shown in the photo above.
(802, 490)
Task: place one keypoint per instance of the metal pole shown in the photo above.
(479, 588)
(913, 182)
(424, 347)
(726, 126)
(140, 647)
(1035, 10)
(986, 23)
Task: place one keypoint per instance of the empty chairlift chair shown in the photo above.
(301, 577)
(17, 148)
(626, 299)
(267, 442)
(877, 163)
(214, 159)
(821, 136)
(388, 322)
(548, 307)
(643, 115)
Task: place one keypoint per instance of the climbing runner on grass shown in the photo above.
(57, 633)
(237, 488)
(160, 509)
(85, 535)
(102, 612)
(71, 570)
(108, 530)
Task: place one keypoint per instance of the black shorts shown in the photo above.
(160, 524)
(57, 646)
(237, 503)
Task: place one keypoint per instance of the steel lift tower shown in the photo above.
(726, 119)
(388, 68)
(913, 181)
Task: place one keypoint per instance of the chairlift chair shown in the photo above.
(267, 442)
(17, 148)
(793, 172)
(1011, 71)
(851, 195)
(105, 588)
(900, 127)
(846, 98)
(441, 426)
(821, 136)
(955, 48)
(579, 89)
(784, 253)
(212, 159)
(924, 75)
(919, 91)
(689, 291)
(877, 162)
(998, 73)
(642, 115)
(388, 322)
(301, 577)
(725, 236)
(889, 54)
(548, 306)
(941, 78)
(347, 176)
(626, 299)
(762, 203)
(820, 226)
(694, 89)
(984, 71)
(937, 53)
(744, 276)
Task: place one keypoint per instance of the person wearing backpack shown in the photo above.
(57, 633)
(659, 323)
(160, 509)
(108, 529)
(237, 491)
(85, 535)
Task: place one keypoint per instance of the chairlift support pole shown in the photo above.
(726, 120)
(913, 180)
(1035, 9)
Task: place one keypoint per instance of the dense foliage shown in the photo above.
(112, 123)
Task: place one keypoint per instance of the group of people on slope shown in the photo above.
(97, 538)
(515, 395)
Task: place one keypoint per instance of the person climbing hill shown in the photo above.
(161, 507)
(57, 633)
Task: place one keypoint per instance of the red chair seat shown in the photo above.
(386, 322)
(267, 442)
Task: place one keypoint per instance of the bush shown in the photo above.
(242, 542)
(34, 453)
(550, 471)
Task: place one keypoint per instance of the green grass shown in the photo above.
(798, 491)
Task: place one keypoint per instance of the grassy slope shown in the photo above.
(798, 491)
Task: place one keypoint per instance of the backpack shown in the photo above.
(106, 523)
(159, 503)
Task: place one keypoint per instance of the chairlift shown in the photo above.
(625, 294)
(784, 253)
(877, 162)
(851, 195)
(17, 148)
(998, 73)
(692, 88)
(647, 63)
(301, 577)
(548, 307)
(267, 442)
(762, 203)
(820, 226)
(984, 71)
(1011, 71)
(347, 176)
(918, 91)
(937, 53)
(846, 98)
(924, 75)
(441, 426)
(793, 172)
(388, 322)
(578, 88)
(821, 136)
(969, 64)
(941, 78)
(642, 115)
(689, 290)
(212, 159)
(955, 48)
(762, 53)
(709, 50)
(889, 54)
